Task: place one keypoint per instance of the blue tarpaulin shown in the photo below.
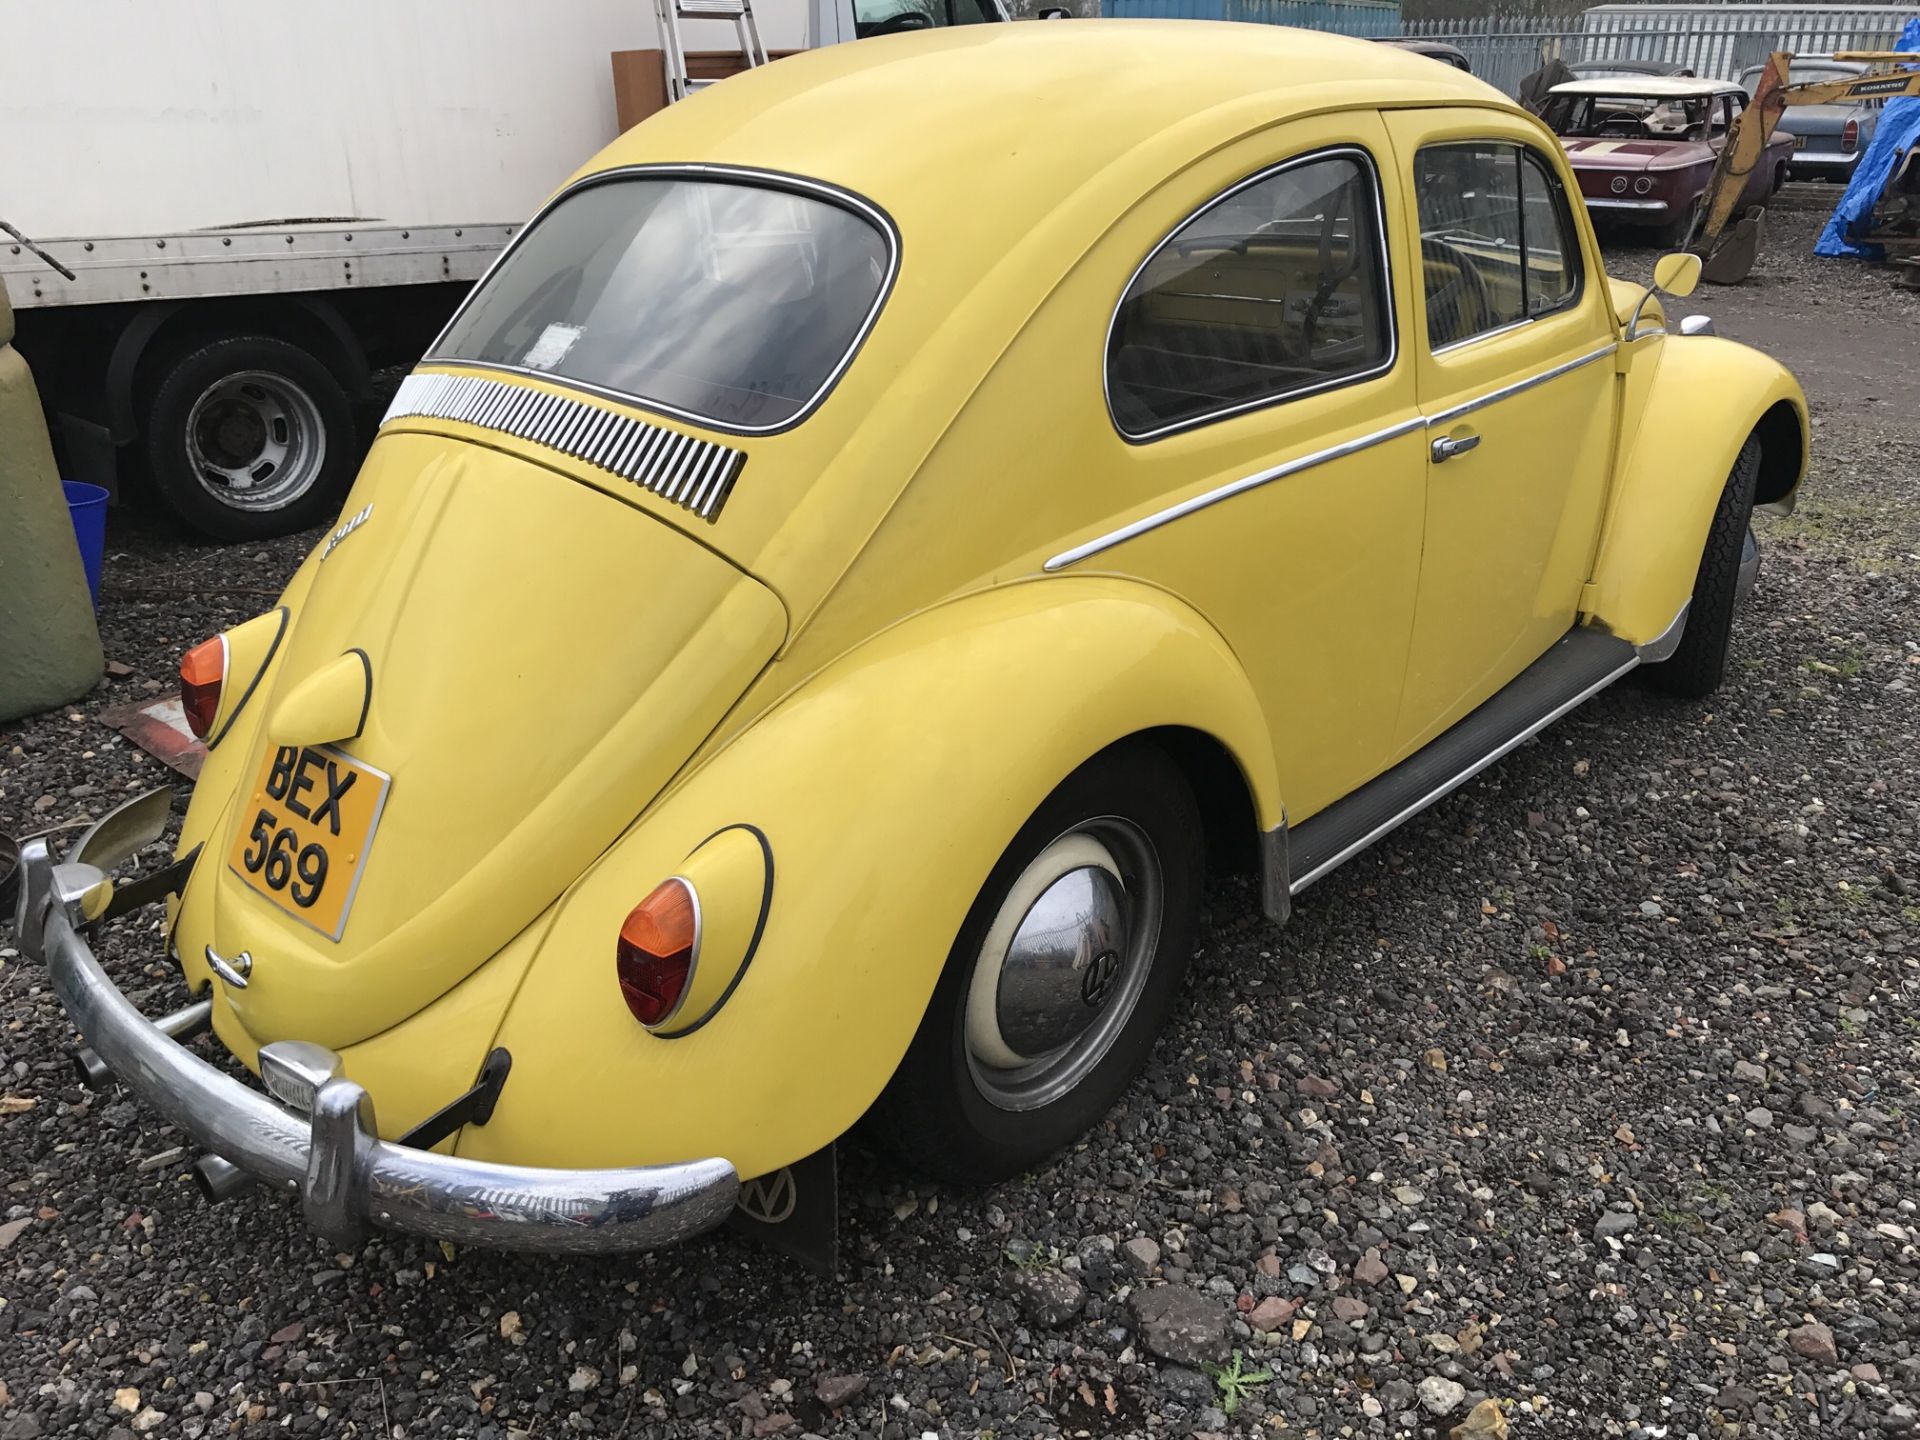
(1898, 132)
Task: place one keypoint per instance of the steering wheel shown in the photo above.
(1474, 306)
(1624, 122)
(899, 24)
(1331, 276)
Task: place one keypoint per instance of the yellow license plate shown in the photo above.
(303, 838)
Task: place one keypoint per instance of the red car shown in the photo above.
(1644, 146)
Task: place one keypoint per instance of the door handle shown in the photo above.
(1448, 446)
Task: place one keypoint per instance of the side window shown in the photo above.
(890, 17)
(1276, 289)
(1546, 227)
(1497, 242)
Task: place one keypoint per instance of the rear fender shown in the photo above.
(1696, 407)
(887, 786)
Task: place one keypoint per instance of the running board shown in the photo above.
(1581, 663)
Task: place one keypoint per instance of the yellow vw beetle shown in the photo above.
(883, 531)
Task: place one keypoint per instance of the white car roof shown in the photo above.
(1650, 87)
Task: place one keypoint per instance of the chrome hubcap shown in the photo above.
(1063, 964)
(255, 440)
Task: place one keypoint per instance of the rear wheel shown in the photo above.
(1062, 975)
(248, 437)
(1698, 664)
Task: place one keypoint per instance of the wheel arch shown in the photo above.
(1783, 456)
(889, 785)
(1706, 396)
(308, 321)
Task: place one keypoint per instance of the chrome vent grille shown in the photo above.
(696, 475)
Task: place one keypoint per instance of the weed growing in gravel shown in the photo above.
(1235, 1382)
(1681, 1220)
(1034, 1257)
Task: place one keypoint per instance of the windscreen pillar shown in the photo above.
(49, 646)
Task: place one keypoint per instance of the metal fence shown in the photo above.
(1342, 17)
(1718, 41)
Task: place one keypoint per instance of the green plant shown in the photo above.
(1681, 1220)
(1033, 1257)
(1235, 1381)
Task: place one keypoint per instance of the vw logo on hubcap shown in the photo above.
(1097, 984)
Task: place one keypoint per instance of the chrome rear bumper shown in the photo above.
(348, 1179)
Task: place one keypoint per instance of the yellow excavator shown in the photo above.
(1729, 246)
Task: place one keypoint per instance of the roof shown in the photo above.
(1650, 87)
(1023, 115)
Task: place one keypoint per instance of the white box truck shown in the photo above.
(225, 216)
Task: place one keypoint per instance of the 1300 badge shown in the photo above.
(313, 813)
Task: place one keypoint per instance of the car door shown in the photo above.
(1513, 335)
(1262, 446)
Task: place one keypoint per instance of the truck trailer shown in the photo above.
(224, 218)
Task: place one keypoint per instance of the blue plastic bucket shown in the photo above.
(88, 506)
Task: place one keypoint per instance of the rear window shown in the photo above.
(724, 301)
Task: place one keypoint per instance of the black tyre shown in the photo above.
(1699, 662)
(1062, 975)
(248, 437)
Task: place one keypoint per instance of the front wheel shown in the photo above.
(1727, 567)
(248, 437)
(1062, 975)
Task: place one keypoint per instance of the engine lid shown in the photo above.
(539, 660)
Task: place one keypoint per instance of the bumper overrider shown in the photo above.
(318, 1139)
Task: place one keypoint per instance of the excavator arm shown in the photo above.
(1728, 246)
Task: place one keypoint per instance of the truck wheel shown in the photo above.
(248, 437)
(1062, 975)
(1695, 668)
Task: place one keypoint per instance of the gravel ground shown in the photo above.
(1587, 1092)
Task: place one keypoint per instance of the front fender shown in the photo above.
(1696, 405)
(887, 786)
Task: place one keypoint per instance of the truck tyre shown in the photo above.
(248, 437)
(1695, 668)
(1062, 975)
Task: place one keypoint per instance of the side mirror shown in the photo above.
(1677, 274)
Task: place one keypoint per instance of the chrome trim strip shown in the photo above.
(666, 462)
(1601, 202)
(1319, 457)
(1478, 336)
(1386, 272)
(347, 1177)
(1447, 787)
(1668, 640)
(736, 174)
(1226, 492)
(1505, 392)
